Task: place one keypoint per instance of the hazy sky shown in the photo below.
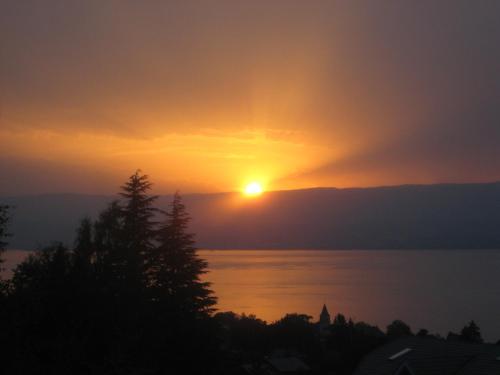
(207, 95)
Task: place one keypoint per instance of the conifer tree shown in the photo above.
(84, 247)
(138, 229)
(177, 269)
(471, 333)
(107, 231)
(83, 264)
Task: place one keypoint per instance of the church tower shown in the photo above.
(324, 321)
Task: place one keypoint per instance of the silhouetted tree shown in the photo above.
(423, 333)
(175, 269)
(84, 250)
(471, 333)
(340, 332)
(107, 239)
(138, 228)
(349, 342)
(398, 329)
(46, 335)
(92, 290)
(244, 333)
(4, 219)
(340, 320)
(46, 270)
(127, 299)
(295, 332)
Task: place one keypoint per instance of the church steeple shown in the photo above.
(324, 312)
(324, 320)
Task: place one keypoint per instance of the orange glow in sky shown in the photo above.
(207, 98)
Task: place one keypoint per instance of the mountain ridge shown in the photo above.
(112, 196)
(412, 216)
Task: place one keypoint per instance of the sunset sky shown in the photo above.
(206, 96)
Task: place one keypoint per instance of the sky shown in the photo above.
(206, 96)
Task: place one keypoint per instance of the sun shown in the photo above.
(253, 189)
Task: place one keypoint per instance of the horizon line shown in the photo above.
(11, 195)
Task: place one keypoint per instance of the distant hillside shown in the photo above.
(424, 217)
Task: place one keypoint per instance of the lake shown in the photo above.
(437, 290)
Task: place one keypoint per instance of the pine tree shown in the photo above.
(83, 263)
(176, 270)
(84, 251)
(138, 229)
(107, 233)
(471, 333)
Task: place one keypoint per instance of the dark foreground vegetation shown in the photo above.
(128, 298)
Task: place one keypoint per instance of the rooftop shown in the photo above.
(428, 356)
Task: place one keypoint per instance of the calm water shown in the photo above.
(438, 290)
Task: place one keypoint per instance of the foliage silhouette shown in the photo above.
(138, 229)
(4, 220)
(175, 270)
(295, 332)
(398, 329)
(471, 333)
(98, 308)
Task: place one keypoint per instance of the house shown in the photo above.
(430, 356)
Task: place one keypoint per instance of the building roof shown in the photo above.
(429, 356)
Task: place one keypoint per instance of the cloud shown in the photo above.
(464, 149)
(364, 91)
